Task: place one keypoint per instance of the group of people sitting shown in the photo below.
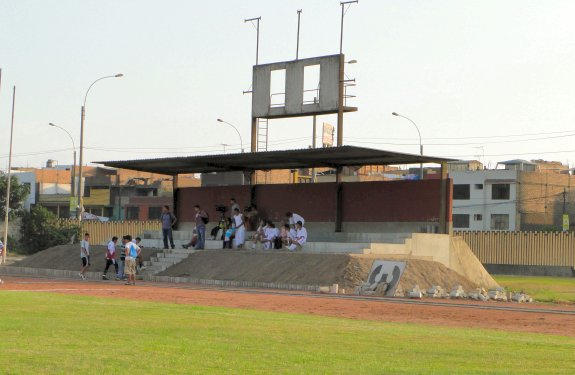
(291, 236)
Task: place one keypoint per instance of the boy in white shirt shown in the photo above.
(111, 258)
(132, 251)
(272, 234)
(300, 237)
(85, 255)
(293, 218)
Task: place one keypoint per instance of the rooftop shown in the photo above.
(331, 157)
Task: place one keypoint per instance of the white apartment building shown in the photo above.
(485, 200)
(29, 179)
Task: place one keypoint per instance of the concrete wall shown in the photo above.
(394, 206)
(13, 228)
(294, 76)
(450, 251)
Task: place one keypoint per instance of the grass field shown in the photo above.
(543, 289)
(51, 333)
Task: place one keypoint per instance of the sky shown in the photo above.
(491, 80)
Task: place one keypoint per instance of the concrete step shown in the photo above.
(156, 260)
(174, 256)
(155, 269)
(358, 237)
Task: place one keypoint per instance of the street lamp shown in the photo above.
(236, 129)
(73, 188)
(420, 144)
(81, 183)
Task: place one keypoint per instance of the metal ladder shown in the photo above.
(262, 139)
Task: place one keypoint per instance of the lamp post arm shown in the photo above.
(237, 131)
(67, 132)
(93, 83)
(416, 127)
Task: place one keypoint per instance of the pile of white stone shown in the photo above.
(478, 294)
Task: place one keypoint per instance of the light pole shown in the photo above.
(236, 129)
(73, 188)
(80, 170)
(420, 144)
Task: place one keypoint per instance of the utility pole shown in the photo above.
(564, 201)
(297, 45)
(257, 19)
(6, 218)
(565, 215)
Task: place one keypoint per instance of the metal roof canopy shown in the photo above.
(331, 157)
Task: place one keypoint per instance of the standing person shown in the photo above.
(132, 251)
(168, 221)
(111, 258)
(293, 218)
(201, 221)
(121, 265)
(233, 207)
(251, 216)
(84, 255)
(240, 228)
(300, 237)
(139, 260)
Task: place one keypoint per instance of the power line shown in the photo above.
(473, 137)
(466, 144)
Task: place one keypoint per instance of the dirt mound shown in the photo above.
(346, 270)
(427, 274)
(67, 257)
(276, 267)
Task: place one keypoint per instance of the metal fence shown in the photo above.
(522, 248)
(102, 232)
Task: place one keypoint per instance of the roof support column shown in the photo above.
(254, 145)
(339, 201)
(175, 190)
(444, 226)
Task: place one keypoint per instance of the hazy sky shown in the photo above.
(493, 78)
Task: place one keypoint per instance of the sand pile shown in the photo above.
(272, 267)
(349, 271)
(67, 257)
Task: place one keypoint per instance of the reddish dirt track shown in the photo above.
(367, 310)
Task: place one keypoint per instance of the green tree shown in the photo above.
(18, 194)
(40, 229)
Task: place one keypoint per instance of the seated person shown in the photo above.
(287, 234)
(193, 241)
(271, 234)
(229, 235)
(293, 218)
(261, 233)
(300, 237)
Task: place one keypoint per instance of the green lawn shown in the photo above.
(544, 289)
(50, 333)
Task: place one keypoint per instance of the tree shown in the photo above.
(18, 194)
(40, 230)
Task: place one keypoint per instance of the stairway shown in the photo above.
(164, 260)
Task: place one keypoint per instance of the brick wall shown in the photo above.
(381, 201)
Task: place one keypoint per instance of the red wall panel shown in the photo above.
(378, 201)
(391, 201)
(208, 198)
